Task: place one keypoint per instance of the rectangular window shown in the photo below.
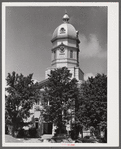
(36, 125)
(54, 54)
(71, 54)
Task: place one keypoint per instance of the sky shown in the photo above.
(28, 38)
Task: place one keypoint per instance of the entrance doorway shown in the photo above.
(47, 127)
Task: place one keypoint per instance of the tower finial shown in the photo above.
(65, 17)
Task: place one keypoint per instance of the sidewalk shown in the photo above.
(46, 136)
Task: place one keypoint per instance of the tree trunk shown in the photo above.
(14, 132)
(81, 131)
(60, 125)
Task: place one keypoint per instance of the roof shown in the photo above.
(43, 83)
(64, 30)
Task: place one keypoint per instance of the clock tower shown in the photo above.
(65, 49)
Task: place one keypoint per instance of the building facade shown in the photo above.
(64, 53)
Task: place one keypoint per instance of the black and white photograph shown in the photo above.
(60, 74)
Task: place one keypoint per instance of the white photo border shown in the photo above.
(112, 69)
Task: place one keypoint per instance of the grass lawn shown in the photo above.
(9, 138)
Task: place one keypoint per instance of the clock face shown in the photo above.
(62, 49)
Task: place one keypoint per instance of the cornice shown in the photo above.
(65, 46)
(66, 37)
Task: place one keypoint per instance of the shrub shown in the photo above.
(21, 133)
(63, 131)
(87, 137)
(33, 132)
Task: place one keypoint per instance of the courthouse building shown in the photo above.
(64, 53)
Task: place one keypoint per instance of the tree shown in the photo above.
(93, 102)
(20, 99)
(61, 94)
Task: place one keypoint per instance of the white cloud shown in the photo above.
(91, 47)
(88, 75)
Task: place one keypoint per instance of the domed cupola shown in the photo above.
(65, 49)
(65, 30)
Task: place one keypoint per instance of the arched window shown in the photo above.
(62, 30)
